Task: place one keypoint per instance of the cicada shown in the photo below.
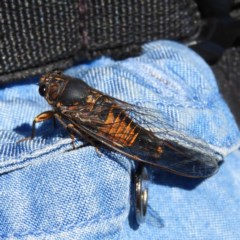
(128, 129)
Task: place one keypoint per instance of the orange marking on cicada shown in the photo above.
(128, 135)
(132, 135)
(39, 118)
(72, 108)
(92, 100)
(59, 79)
(159, 149)
(43, 116)
(119, 130)
(58, 105)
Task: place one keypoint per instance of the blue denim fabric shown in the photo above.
(47, 192)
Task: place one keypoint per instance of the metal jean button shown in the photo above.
(141, 194)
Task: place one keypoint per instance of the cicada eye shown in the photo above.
(42, 90)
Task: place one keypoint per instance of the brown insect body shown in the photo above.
(87, 112)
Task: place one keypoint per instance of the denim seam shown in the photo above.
(29, 159)
(24, 158)
(119, 213)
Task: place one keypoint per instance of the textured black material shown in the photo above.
(215, 8)
(118, 28)
(219, 44)
(36, 36)
(36, 33)
(220, 28)
(227, 71)
(217, 35)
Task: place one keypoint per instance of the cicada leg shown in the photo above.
(39, 118)
(74, 131)
(68, 127)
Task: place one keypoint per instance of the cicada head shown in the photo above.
(56, 88)
(51, 86)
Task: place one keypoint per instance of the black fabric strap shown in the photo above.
(38, 36)
(219, 44)
(227, 72)
(119, 28)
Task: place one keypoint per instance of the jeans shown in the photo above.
(48, 192)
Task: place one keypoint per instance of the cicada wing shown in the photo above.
(195, 161)
(184, 155)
